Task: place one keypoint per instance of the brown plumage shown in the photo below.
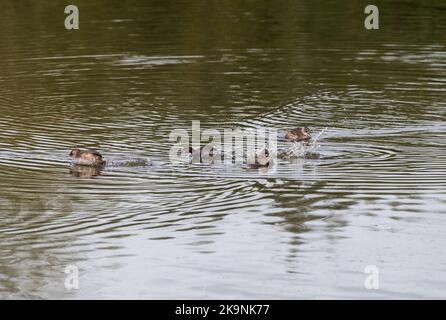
(86, 158)
(298, 134)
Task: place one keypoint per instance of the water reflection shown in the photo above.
(80, 171)
(305, 227)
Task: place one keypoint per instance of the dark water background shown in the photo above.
(304, 229)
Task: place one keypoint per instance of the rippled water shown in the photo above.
(305, 228)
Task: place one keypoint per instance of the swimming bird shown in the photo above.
(298, 134)
(86, 157)
(202, 154)
(261, 159)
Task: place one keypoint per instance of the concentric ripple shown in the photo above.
(305, 227)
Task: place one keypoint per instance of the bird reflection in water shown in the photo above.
(81, 171)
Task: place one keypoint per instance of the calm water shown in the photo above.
(303, 229)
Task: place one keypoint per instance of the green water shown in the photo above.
(306, 228)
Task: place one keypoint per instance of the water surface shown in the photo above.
(306, 228)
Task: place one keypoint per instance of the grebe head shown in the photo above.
(306, 132)
(75, 153)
